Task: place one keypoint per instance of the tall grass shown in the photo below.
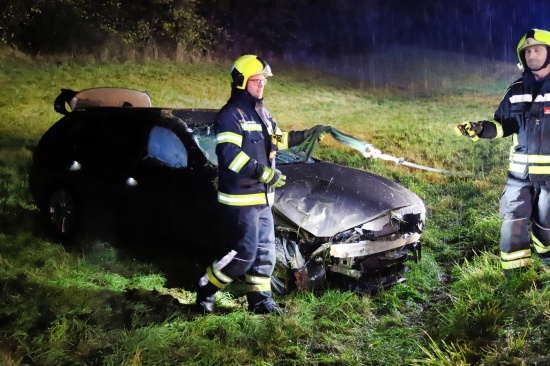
(94, 303)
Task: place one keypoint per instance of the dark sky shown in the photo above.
(491, 28)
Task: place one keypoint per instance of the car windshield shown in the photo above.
(206, 139)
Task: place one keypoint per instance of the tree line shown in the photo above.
(294, 27)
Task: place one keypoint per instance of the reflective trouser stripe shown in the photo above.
(258, 284)
(517, 259)
(539, 247)
(217, 277)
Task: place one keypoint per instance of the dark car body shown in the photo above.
(152, 171)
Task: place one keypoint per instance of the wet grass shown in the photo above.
(94, 303)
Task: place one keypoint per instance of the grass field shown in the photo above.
(94, 304)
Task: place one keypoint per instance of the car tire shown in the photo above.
(62, 213)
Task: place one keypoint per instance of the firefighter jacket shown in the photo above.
(247, 140)
(524, 113)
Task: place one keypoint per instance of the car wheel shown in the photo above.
(62, 212)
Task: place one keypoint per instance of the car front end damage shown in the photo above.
(366, 258)
(346, 227)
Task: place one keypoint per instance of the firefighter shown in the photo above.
(247, 140)
(524, 114)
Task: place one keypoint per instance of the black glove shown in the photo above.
(320, 131)
(272, 177)
(470, 129)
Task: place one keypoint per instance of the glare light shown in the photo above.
(75, 166)
(131, 182)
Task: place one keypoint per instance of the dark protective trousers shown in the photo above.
(251, 234)
(524, 202)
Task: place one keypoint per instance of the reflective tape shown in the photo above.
(213, 279)
(218, 273)
(240, 160)
(242, 199)
(537, 169)
(267, 175)
(524, 262)
(230, 137)
(258, 284)
(527, 98)
(543, 98)
(500, 131)
(526, 253)
(522, 98)
(540, 248)
(534, 159)
(282, 141)
(249, 127)
(270, 198)
(517, 168)
(521, 258)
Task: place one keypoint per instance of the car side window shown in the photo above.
(166, 147)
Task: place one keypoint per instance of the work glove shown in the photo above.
(272, 177)
(320, 131)
(470, 129)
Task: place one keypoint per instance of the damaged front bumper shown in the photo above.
(366, 258)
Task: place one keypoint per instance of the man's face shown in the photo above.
(535, 56)
(255, 86)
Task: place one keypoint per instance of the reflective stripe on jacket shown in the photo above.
(524, 113)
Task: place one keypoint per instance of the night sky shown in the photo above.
(488, 28)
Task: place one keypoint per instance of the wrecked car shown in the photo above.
(152, 172)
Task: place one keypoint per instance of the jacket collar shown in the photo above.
(242, 97)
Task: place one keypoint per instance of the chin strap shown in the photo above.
(367, 150)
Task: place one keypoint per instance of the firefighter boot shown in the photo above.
(205, 298)
(263, 303)
(545, 258)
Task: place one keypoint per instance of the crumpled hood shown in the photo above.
(325, 199)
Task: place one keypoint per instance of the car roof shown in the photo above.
(124, 101)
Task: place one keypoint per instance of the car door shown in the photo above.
(175, 187)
